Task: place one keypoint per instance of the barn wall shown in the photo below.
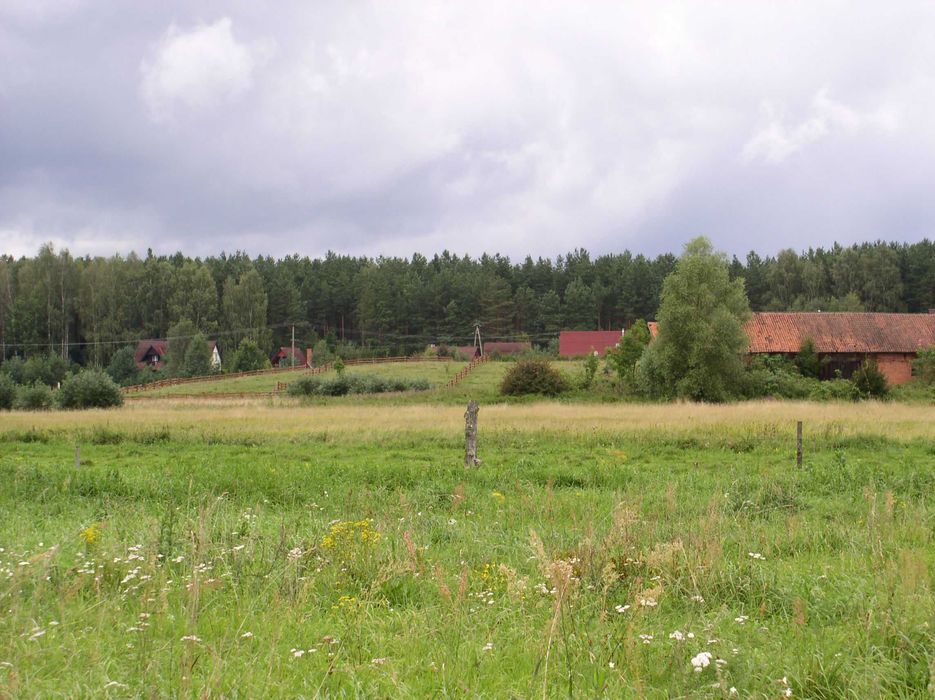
(897, 368)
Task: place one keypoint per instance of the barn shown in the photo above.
(581, 343)
(845, 339)
(152, 353)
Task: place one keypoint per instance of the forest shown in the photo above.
(86, 308)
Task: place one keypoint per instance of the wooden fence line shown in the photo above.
(457, 379)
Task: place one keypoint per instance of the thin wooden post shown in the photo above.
(77, 456)
(798, 444)
(470, 435)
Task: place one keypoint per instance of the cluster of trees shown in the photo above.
(87, 308)
(41, 383)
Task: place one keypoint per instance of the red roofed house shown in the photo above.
(580, 343)
(846, 339)
(281, 358)
(152, 353)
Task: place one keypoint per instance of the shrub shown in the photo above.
(248, 357)
(7, 393)
(197, 362)
(777, 377)
(321, 353)
(590, 369)
(533, 377)
(924, 366)
(835, 390)
(90, 389)
(807, 361)
(14, 368)
(339, 366)
(627, 353)
(33, 397)
(870, 381)
(44, 369)
(354, 384)
(122, 368)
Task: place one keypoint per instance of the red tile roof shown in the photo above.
(653, 328)
(844, 332)
(577, 343)
(144, 346)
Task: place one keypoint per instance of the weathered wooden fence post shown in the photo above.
(798, 444)
(77, 456)
(470, 435)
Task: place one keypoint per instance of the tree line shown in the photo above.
(86, 308)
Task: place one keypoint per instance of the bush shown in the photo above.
(354, 384)
(122, 368)
(776, 377)
(33, 397)
(807, 360)
(321, 353)
(14, 368)
(533, 377)
(90, 389)
(7, 393)
(197, 362)
(924, 366)
(870, 381)
(590, 369)
(835, 390)
(44, 369)
(248, 357)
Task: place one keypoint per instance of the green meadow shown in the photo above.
(278, 549)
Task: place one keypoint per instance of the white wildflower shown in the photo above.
(697, 599)
(622, 608)
(701, 661)
(452, 521)
(648, 602)
(191, 638)
(488, 646)
(378, 662)
(677, 636)
(740, 620)
(733, 692)
(646, 638)
(756, 555)
(295, 553)
(611, 664)
(246, 635)
(297, 653)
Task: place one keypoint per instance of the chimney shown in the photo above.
(308, 357)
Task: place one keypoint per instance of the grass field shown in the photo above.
(482, 383)
(263, 547)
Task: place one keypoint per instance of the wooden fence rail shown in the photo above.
(455, 380)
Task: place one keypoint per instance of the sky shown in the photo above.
(393, 127)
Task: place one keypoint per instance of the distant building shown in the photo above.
(581, 343)
(845, 339)
(281, 357)
(152, 353)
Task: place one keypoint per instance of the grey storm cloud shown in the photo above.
(522, 127)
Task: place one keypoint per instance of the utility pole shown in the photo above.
(478, 342)
(292, 356)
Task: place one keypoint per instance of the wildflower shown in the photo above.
(246, 635)
(378, 662)
(622, 608)
(191, 638)
(646, 638)
(238, 547)
(701, 661)
(740, 620)
(297, 653)
(756, 555)
(648, 602)
(179, 559)
(452, 521)
(677, 636)
(295, 553)
(488, 647)
(733, 692)
(90, 535)
(697, 599)
(720, 662)
(611, 664)
(497, 495)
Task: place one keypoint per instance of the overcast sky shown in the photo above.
(391, 127)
